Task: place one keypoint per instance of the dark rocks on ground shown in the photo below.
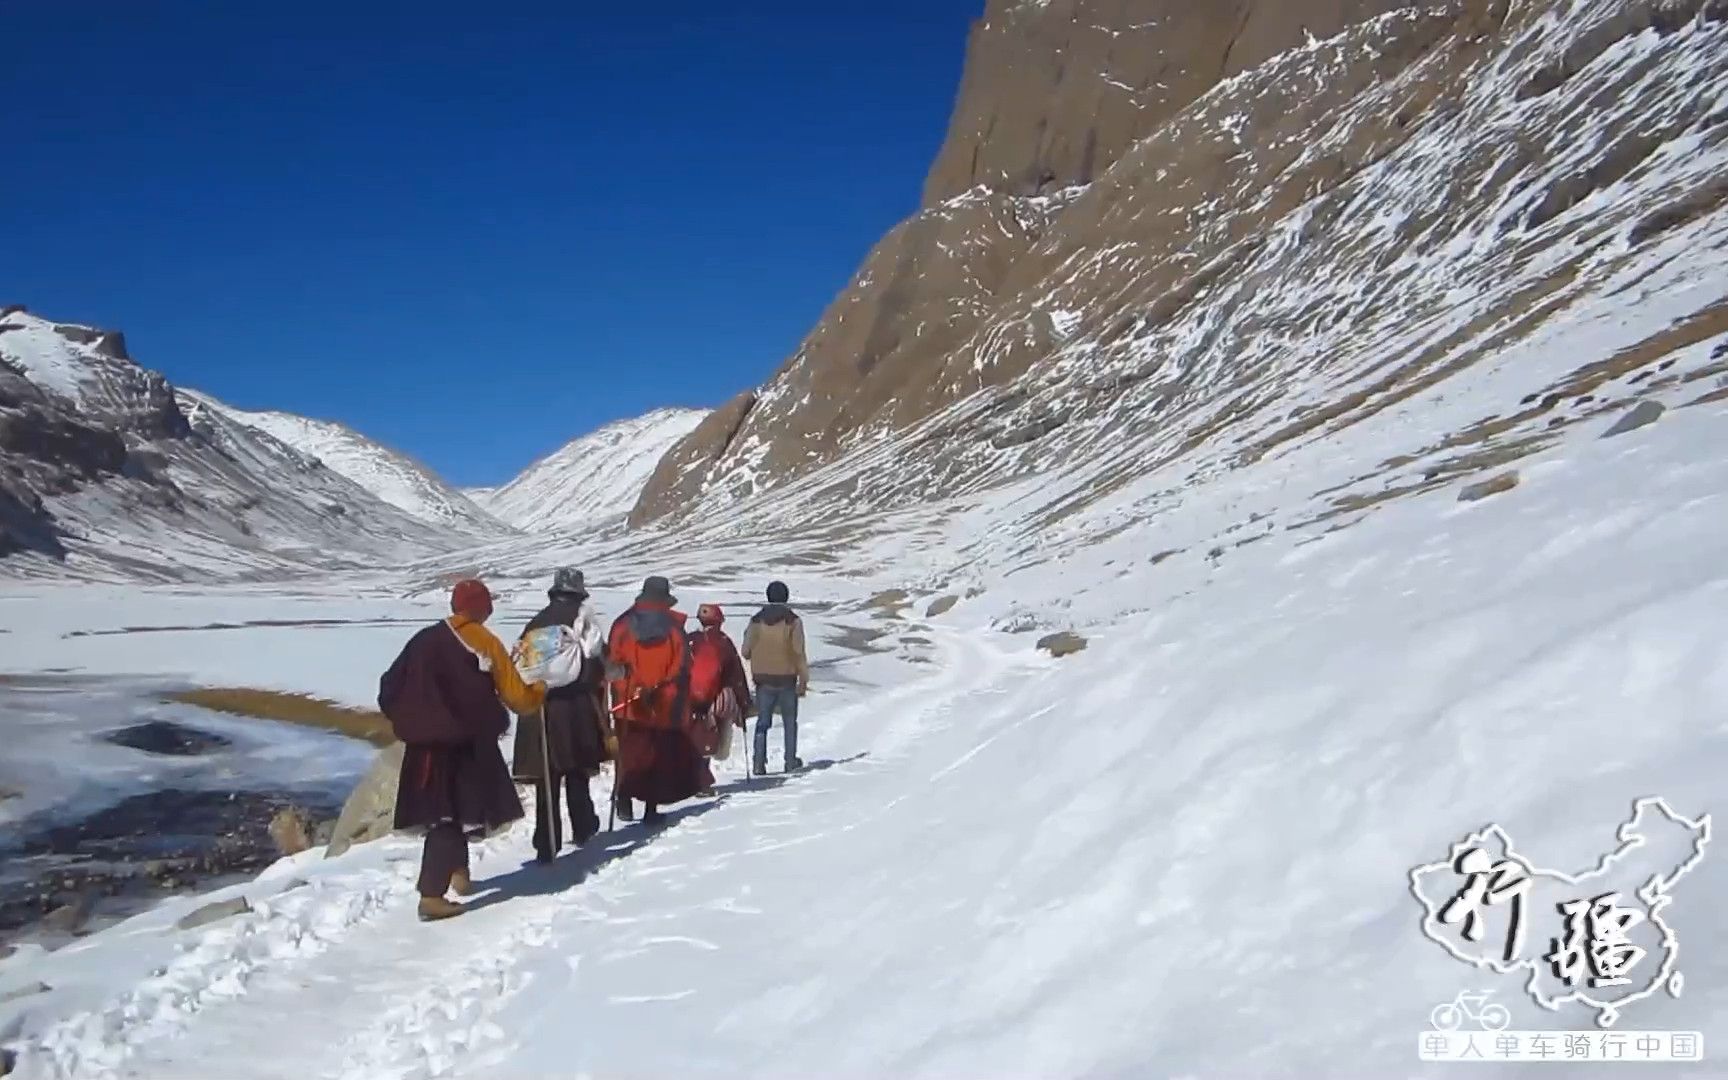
(168, 738)
(1494, 485)
(291, 830)
(210, 913)
(1063, 644)
(1642, 414)
(941, 606)
(370, 811)
(126, 857)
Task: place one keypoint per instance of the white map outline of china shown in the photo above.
(1655, 893)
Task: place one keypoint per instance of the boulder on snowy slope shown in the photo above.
(1641, 415)
(291, 830)
(1066, 643)
(210, 913)
(1494, 485)
(370, 811)
(942, 605)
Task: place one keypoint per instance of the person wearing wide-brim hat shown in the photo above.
(648, 661)
(561, 747)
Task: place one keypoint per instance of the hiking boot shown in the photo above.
(794, 765)
(653, 819)
(434, 908)
(759, 768)
(461, 884)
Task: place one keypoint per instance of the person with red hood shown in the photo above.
(719, 688)
(648, 663)
(446, 696)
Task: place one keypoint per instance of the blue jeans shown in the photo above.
(771, 699)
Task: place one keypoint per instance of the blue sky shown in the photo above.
(472, 232)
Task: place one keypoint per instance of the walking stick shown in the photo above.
(554, 827)
(605, 703)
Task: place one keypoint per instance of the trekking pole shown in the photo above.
(612, 797)
(554, 827)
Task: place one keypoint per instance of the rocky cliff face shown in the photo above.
(1056, 91)
(1313, 213)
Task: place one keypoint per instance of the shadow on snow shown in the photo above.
(572, 869)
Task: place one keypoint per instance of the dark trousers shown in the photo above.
(446, 852)
(584, 822)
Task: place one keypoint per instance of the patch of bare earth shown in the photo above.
(301, 709)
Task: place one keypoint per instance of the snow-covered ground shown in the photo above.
(1182, 852)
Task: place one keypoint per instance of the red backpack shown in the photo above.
(707, 669)
(650, 645)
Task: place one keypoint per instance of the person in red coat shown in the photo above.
(445, 696)
(648, 663)
(733, 703)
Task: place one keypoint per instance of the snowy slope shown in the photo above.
(391, 475)
(1353, 227)
(106, 477)
(1183, 852)
(1312, 664)
(592, 481)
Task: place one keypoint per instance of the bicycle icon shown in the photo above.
(1450, 1016)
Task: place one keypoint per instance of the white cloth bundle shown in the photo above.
(553, 654)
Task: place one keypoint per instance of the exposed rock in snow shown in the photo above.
(592, 482)
(1063, 644)
(1494, 485)
(1640, 415)
(209, 913)
(369, 812)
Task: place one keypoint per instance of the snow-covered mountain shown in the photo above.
(1144, 245)
(1358, 414)
(592, 482)
(102, 474)
(389, 474)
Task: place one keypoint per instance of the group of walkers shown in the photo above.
(653, 697)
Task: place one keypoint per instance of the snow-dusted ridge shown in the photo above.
(107, 477)
(389, 474)
(592, 482)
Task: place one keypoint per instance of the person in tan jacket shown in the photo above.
(774, 648)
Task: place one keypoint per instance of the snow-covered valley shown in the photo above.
(1141, 859)
(1193, 555)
